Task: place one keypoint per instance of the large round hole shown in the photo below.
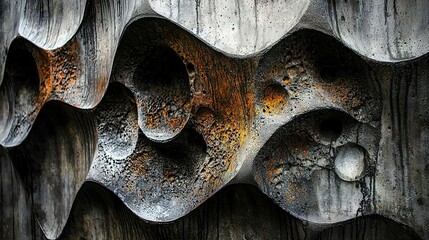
(330, 129)
(165, 94)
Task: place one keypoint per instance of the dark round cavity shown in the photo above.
(328, 74)
(330, 129)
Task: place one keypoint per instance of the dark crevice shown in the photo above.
(19, 93)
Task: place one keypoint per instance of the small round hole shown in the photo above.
(328, 74)
(191, 69)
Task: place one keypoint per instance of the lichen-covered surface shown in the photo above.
(155, 106)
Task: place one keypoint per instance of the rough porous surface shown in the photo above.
(117, 116)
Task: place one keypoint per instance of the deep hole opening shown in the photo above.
(191, 69)
(118, 90)
(328, 74)
(330, 129)
(21, 69)
(162, 70)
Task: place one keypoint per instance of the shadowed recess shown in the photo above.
(310, 70)
(19, 94)
(236, 212)
(172, 75)
(54, 160)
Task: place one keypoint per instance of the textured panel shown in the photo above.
(322, 105)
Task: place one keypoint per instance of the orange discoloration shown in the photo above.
(347, 94)
(64, 63)
(275, 98)
(223, 86)
(45, 76)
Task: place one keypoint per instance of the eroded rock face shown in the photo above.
(322, 106)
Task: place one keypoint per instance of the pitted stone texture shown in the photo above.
(308, 94)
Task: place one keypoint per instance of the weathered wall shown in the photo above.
(115, 111)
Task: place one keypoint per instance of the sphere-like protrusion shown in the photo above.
(350, 162)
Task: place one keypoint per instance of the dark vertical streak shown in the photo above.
(255, 3)
(197, 10)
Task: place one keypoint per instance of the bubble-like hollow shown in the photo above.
(318, 72)
(19, 94)
(54, 160)
(165, 91)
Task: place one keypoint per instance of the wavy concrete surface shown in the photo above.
(165, 103)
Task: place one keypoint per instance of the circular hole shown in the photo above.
(330, 129)
(328, 74)
(164, 94)
(191, 69)
(275, 99)
(205, 116)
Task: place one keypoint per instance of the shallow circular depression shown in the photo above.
(54, 160)
(159, 179)
(19, 94)
(165, 95)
